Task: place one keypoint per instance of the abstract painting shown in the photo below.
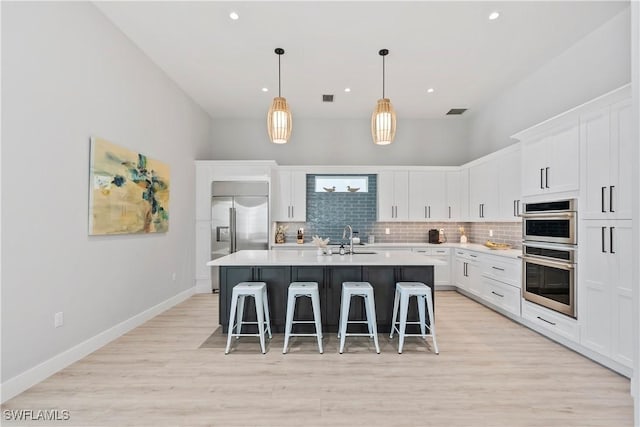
(129, 193)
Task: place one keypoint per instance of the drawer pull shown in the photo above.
(545, 320)
(473, 256)
(495, 293)
(497, 268)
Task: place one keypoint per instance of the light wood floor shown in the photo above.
(490, 372)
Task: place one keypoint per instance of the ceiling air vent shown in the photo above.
(327, 98)
(456, 111)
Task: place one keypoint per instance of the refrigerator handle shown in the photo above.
(232, 231)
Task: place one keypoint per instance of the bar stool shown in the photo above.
(364, 290)
(422, 292)
(257, 290)
(303, 289)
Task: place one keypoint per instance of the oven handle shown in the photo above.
(547, 263)
(560, 215)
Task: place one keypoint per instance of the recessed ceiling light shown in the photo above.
(430, 90)
(494, 15)
(264, 89)
(347, 89)
(234, 16)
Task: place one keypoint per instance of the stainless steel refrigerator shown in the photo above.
(239, 219)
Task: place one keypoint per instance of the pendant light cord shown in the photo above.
(383, 76)
(279, 74)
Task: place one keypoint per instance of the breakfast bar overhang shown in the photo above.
(279, 268)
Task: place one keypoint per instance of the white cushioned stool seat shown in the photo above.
(257, 290)
(303, 289)
(423, 294)
(364, 290)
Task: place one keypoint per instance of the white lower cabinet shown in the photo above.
(551, 321)
(467, 272)
(442, 273)
(501, 295)
(605, 289)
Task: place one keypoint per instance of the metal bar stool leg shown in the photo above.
(315, 302)
(371, 320)
(232, 320)
(396, 299)
(260, 317)
(291, 300)
(404, 308)
(421, 303)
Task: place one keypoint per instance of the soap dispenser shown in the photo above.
(341, 249)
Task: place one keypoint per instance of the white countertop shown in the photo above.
(509, 253)
(309, 257)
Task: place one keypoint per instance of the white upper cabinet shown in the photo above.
(550, 161)
(606, 144)
(428, 196)
(483, 191)
(509, 184)
(289, 201)
(393, 196)
(457, 195)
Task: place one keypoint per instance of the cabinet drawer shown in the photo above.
(440, 251)
(503, 269)
(467, 255)
(551, 321)
(501, 295)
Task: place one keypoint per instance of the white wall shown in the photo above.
(439, 142)
(597, 64)
(68, 74)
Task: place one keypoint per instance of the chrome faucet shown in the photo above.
(344, 235)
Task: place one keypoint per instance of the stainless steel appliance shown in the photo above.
(549, 276)
(551, 222)
(239, 219)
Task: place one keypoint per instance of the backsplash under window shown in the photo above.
(329, 212)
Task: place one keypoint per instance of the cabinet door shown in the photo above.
(298, 196)
(475, 284)
(563, 160)
(281, 200)
(621, 286)
(595, 141)
(454, 195)
(460, 270)
(621, 195)
(304, 310)
(334, 279)
(483, 191)
(277, 280)
(382, 279)
(386, 203)
(442, 273)
(509, 184)
(595, 274)
(427, 196)
(401, 195)
(534, 161)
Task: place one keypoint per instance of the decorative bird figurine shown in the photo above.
(330, 190)
(352, 189)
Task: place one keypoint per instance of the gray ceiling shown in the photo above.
(450, 46)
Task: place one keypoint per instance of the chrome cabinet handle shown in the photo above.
(603, 189)
(602, 231)
(497, 268)
(473, 256)
(541, 179)
(546, 177)
(545, 320)
(425, 212)
(611, 187)
(495, 293)
(449, 212)
(611, 240)
(514, 208)
(292, 215)
(429, 211)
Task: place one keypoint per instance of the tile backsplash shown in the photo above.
(418, 232)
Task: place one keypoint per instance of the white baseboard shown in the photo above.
(16, 385)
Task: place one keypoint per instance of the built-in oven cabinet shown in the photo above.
(550, 159)
(607, 156)
(605, 305)
(551, 321)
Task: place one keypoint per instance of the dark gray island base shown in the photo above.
(329, 278)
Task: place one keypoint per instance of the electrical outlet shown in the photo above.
(490, 233)
(58, 319)
(387, 231)
(173, 276)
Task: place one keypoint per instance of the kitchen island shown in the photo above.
(279, 268)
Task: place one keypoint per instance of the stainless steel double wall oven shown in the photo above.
(549, 254)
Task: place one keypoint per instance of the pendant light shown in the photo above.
(279, 116)
(383, 119)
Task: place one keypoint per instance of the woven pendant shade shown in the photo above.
(383, 122)
(279, 121)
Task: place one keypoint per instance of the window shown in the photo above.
(341, 184)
